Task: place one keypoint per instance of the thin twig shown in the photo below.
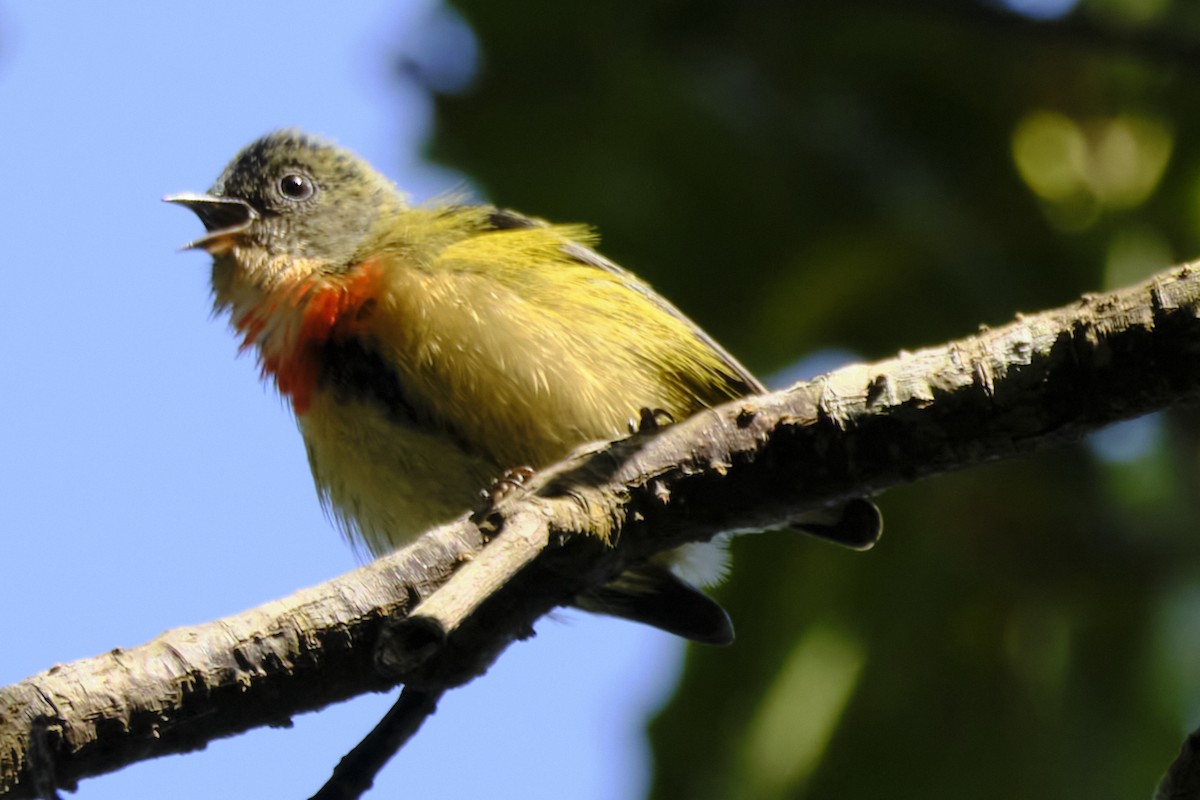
(356, 772)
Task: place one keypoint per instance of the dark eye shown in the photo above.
(296, 186)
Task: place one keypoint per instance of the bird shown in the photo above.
(427, 350)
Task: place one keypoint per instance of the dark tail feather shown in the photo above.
(856, 524)
(653, 595)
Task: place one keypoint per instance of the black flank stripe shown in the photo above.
(354, 371)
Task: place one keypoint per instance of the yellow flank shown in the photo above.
(385, 483)
(527, 352)
(515, 350)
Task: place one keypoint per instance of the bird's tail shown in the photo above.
(654, 595)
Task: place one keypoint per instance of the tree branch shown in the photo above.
(753, 463)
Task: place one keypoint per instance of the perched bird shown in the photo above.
(428, 349)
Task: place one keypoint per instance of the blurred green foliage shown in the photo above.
(876, 176)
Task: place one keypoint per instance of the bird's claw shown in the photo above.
(651, 420)
(502, 487)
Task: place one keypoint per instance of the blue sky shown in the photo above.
(149, 479)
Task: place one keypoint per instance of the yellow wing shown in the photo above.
(525, 342)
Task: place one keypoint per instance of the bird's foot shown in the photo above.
(502, 487)
(651, 420)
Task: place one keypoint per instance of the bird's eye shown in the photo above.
(296, 186)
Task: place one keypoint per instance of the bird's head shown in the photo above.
(288, 206)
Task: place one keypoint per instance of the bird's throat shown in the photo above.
(293, 324)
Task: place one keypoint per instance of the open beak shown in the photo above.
(224, 218)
